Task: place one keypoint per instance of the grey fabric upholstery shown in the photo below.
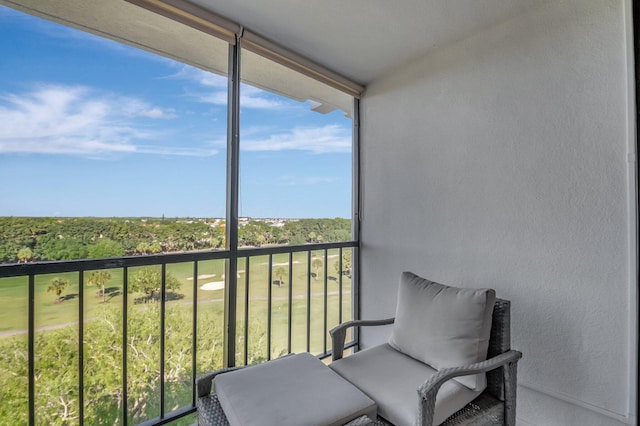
(392, 378)
(443, 326)
(297, 390)
(496, 406)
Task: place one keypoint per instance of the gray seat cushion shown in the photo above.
(443, 326)
(392, 378)
(296, 390)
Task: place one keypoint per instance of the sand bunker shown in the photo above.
(283, 263)
(237, 275)
(214, 285)
(202, 277)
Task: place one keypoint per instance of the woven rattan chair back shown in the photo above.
(499, 342)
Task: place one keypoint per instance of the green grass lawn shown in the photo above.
(50, 313)
(55, 320)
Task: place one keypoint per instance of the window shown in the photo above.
(118, 151)
(115, 261)
(296, 147)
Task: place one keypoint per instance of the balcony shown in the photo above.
(112, 354)
(499, 149)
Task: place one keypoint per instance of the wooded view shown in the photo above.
(26, 239)
(314, 285)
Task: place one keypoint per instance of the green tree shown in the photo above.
(280, 273)
(142, 248)
(99, 279)
(57, 286)
(105, 248)
(25, 254)
(346, 264)
(149, 281)
(316, 265)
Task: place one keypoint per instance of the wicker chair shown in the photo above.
(495, 406)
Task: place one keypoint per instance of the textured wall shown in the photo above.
(502, 161)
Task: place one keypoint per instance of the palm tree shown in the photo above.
(280, 273)
(99, 278)
(317, 264)
(57, 286)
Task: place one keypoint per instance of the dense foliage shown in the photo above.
(26, 239)
(56, 372)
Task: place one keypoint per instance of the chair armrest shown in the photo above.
(339, 333)
(428, 390)
(203, 383)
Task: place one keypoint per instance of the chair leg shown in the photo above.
(510, 385)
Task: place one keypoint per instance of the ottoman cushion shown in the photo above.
(296, 390)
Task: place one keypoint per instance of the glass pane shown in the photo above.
(103, 345)
(121, 148)
(210, 331)
(258, 313)
(296, 157)
(143, 343)
(179, 338)
(14, 368)
(56, 348)
(121, 151)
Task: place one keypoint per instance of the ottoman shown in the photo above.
(296, 390)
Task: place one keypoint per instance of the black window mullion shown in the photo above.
(163, 301)
(81, 347)
(125, 293)
(194, 333)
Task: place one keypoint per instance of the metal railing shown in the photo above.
(287, 299)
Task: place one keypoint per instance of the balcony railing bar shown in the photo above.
(125, 301)
(309, 301)
(269, 304)
(81, 267)
(246, 311)
(290, 313)
(81, 347)
(51, 267)
(163, 302)
(259, 251)
(32, 351)
(194, 328)
(340, 286)
(326, 300)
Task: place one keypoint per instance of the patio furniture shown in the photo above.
(295, 390)
(432, 369)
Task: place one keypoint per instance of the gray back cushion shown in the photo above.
(443, 326)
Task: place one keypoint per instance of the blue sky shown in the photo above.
(90, 127)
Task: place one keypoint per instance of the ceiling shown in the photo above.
(360, 39)
(364, 39)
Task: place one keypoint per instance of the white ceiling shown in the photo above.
(364, 39)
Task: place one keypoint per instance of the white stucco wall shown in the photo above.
(503, 161)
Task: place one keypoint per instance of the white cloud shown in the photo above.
(204, 78)
(77, 120)
(289, 180)
(215, 91)
(330, 138)
(181, 151)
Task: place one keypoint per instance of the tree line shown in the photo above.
(28, 239)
